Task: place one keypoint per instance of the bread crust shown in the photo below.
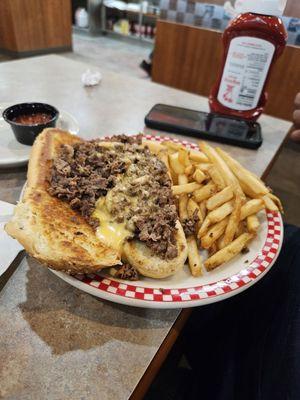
(141, 258)
(47, 227)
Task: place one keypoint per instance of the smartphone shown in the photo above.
(208, 126)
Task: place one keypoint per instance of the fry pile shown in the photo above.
(224, 195)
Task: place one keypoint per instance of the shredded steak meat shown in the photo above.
(190, 225)
(84, 172)
(135, 182)
(126, 139)
(128, 272)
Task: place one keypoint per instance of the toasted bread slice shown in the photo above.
(47, 227)
(141, 257)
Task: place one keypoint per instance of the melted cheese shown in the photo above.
(109, 232)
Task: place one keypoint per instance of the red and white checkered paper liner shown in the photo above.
(134, 293)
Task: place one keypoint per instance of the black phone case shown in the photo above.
(250, 143)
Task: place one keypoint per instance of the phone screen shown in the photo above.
(200, 121)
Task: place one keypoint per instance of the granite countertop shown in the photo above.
(56, 341)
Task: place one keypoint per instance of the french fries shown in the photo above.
(250, 182)
(205, 192)
(251, 207)
(204, 167)
(233, 222)
(222, 167)
(199, 176)
(172, 146)
(175, 164)
(215, 216)
(214, 234)
(198, 156)
(269, 203)
(183, 199)
(154, 147)
(228, 252)
(220, 196)
(253, 224)
(185, 189)
(195, 260)
(189, 170)
(183, 157)
(203, 208)
(277, 201)
(216, 178)
(220, 213)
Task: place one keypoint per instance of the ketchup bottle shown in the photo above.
(253, 42)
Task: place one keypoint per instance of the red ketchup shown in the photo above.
(253, 42)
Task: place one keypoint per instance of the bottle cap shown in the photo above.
(266, 7)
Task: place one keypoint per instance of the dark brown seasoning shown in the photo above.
(245, 250)
(136, 185)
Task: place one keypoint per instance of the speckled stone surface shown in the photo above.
(56, 342)
(60, 343)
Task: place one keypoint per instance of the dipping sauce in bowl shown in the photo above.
(28, 120)
(33, 119)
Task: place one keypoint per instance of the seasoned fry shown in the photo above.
(205, 192)
(176, 166)
(189, 170)
(174, 177)
(251, 183)
(195, 260)
(219, 242)
(198, 156)
(199, 176)
(277, 202)
(228, 252)
(220, 213)
(222, 167)
(154, 147)
(204, 228)
(216, 178)
(215, 216)
(193, 207)
(213, 249)
(204, 167)
(172, 146)
(214, 234)
(203, 208)
(251, 207)
(241, 229)
(253, 224)
(270, 204)
(183, 199)
(233, 222)
(185, 189)
(220, 198)
(183, 157)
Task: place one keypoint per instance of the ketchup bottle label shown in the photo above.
(245, 72)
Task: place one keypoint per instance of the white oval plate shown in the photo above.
(183, 290)
(13, 153)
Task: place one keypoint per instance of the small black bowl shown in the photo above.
(26, 134)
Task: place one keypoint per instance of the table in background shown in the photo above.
(56, 341)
